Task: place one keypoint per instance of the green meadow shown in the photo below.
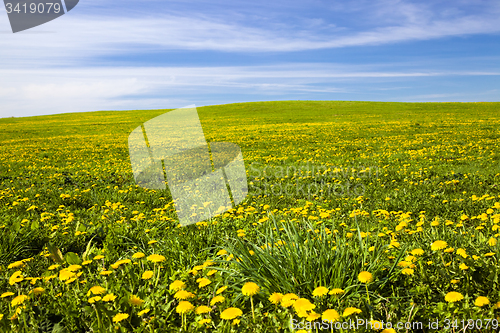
(358, 212)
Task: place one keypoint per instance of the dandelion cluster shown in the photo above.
(354, 211)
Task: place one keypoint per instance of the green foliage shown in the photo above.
(336, 188)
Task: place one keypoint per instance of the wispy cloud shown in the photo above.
(70, 64)
(80, 38)
(31, 92)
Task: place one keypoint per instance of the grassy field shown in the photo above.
(358, 212)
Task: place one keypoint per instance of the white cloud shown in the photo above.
(33, 92)
(80, 38)
(54, 68)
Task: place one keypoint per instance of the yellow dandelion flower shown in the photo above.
(6, 294)
(143, 312)
(184, 307)
(250, 289)
(65, 275)
(453, 296)
(220, 290)
(403, 264)
(99, 257)
(231, 313)
(120, 262)
(105, 272)
(52, 267)
(221, 252)
(156, 258)
(320, 291)
(152, 242)
(74, 268)
(463, 266)
(109, 298)
(330, 315)
(288, 300)
(147, 275)
(417, 252)
(492, 241)
(312, 316)
(94, 299)
(365, 277)
(135, 300)
(203, 309)
(208, 263)
(38, 291)
(177, 285)
(48, 278)
(407, 271)
(16, 277)
(303, 305)
(388, 330)
(438, 245)
(16, 264)
(410, 259)
(349, 311)
(276, 298)
(138, 255)
(394, 244)
(204, 321)
(119, 317)
(481, 301)
(183, 294)
(96, 290)
(202, 282)
(86, 262)
(461, 252)
(336, 291)
(18, 300)
(217, 299)
(376, 325)
(73, 279)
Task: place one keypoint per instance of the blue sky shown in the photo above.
(122, 54)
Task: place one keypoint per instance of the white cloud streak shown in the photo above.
(79, 38)
(44, 91)
(53, 68)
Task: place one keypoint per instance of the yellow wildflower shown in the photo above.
(135, 300)
(453, 296)
(119, 317)
(320, 291)
(184, 307)
(250, 289)
(365, 277)
(231, 313)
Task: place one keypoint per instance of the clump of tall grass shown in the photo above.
(291, 257)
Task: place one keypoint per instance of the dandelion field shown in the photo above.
(386, 212)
